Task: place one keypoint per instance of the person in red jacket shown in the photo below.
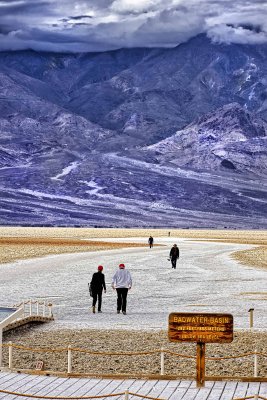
(97, 285)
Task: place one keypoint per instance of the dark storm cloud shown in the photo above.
(97, 25)
(78, 17)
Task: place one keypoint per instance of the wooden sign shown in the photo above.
(201, 328)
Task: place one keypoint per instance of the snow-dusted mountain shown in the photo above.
(229, 138)
(135, 137)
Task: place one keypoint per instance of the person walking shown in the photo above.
(174, 255)
(122, 282)
(97, 285)
(150, 241)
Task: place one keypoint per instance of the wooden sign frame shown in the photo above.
(201, 327)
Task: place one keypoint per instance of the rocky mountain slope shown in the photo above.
(135, 137)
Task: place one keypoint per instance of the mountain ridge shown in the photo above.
(134, 137)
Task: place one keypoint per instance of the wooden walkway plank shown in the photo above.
(86, 387)
(157, 389)
(185, 384)
(145, 389)
(27, 387)
(3, 374)
(39, 385)
(116, 386)
(203, 393)
(65, 387)
(97, 388)
(253, 388)
(241, 390)
(16, 384)
(49, 386)
(181, 390)
(229, 390)
(136, 386)
(75, 386)
(169, 389)
(263, 390)
(8, 377)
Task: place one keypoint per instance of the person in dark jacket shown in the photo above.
(97, 285)
(174, 255)
(150, 241)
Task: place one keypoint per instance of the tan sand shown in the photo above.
(69, 241)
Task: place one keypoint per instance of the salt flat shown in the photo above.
(206, 280)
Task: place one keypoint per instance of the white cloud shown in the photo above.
(135, 6)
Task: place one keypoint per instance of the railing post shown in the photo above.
(69, 360)
(30, 307)
(50, 310)
(255, 364)
(10, 351)
(24, 310)
(37, 307)
(1, 344)
(162, 361)
(44, 305)
(126, 397)
(256, 396)
(251, 317)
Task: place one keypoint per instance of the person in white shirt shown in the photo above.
(122, 282)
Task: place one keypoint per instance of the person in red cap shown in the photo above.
(97, 285)
(122, 282)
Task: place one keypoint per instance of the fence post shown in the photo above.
(251, 317)
(24, 308)
(255, 364)
(256, 396)
(30, 307)
(44, 308)
(162, 361)
(69, 360)
(126, 397)
(37, 307)
(10, 350)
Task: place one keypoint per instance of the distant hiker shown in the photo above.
(150, 241)
(174, 255)
(96, 286)
(122, 282)
(169, 234)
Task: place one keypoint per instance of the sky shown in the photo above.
(100, 25)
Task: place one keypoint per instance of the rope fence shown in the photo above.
(70, 350)
(255, 397)
(126, 394)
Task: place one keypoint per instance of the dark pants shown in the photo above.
(122, 299)
(174, 261)
(150, 245)
(97, 296)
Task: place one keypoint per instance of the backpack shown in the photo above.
(90, 289)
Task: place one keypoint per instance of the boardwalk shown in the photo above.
(168, 390)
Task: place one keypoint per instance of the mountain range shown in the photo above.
(135, 137)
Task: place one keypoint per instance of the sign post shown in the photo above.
(201, 368)
(202, 329)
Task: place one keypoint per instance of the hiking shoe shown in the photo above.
(93, 309)
(100, 311)
(118, 311)
(124, 312)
